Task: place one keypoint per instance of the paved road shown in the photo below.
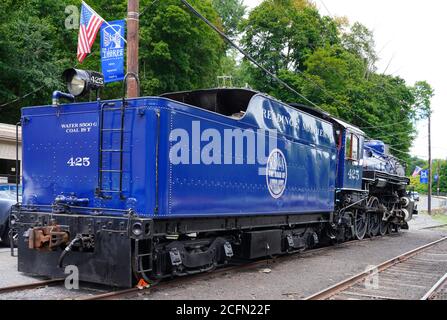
(436, 202)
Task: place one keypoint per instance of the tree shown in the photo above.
(231, 13)
(177, 50)
(423, 188)
(30, 52)
(282, 33)
(332, 64)
(360, 41)
(423, 93)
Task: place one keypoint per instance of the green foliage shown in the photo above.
(333, 65)
(442, 176)
(417, 185)
(360, 41)
(325, 59)
(177, 51)
(438, 167)
(32, 51)
(423, 93)
(414, 162)
(282, 33)
(231, 13)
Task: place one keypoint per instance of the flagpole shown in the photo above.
(108, 24)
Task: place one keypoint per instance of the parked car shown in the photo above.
(414, 195)
(8, 198)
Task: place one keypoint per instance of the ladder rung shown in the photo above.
(111, 150)
(111, 130)
(111, 170)
(111, 109)
(111, 191)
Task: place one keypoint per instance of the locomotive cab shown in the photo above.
(350, 158)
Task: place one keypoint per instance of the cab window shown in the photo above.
(352, 147)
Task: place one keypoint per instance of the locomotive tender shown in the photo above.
(155, 187)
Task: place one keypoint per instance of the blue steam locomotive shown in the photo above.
(182, 183)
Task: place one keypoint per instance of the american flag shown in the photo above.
(88, 29)
(416, 171)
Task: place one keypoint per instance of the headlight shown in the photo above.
(80, 82)
(137, 229)
(76, 86)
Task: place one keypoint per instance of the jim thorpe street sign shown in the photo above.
(424, 177)
(112, 51)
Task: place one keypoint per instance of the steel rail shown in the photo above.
(345, 284)
(433, 290)
(183, 280)
(29, 286)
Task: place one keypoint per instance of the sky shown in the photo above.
(411, 40)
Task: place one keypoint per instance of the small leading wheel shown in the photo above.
(361, 224)
(383, 226)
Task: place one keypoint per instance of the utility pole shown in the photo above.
(439, 176)
(429, 164)
(132, 46)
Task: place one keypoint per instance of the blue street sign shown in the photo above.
(436, 178)
(424, 177)
(112, 50)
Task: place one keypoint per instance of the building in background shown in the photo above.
(8, 153)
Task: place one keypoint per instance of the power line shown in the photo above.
(22, 97)
(324, 5)
(385, 125)
(147, 7)
(343, 105)
(376, 85)
(32, 92)
(249, 57)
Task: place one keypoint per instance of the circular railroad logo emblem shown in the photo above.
(276, 173)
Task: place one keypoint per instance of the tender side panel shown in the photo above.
(228, 184)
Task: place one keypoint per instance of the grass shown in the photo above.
(439, 215)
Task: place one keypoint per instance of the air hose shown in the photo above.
(67, 250)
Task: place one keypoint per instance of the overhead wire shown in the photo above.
(265, 70)
(271, 74)
(18, 99)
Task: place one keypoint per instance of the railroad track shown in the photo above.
(203, 276)
(417, 274)
(29, 286)
(104, 295)
(132, 292)
(438, 291)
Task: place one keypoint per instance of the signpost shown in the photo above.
(112, 50)
(424, 177)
